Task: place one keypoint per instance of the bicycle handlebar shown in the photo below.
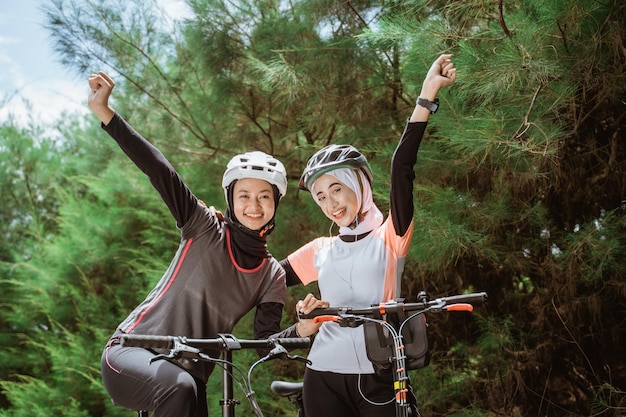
(463, 302)
(473, 298)
(224, 342)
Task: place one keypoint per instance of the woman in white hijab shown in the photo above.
(361, 266)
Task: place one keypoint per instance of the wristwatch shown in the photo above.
(430, 105)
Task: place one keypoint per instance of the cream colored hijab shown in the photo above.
(370, 216)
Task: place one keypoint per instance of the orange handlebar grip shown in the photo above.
(321, 319)
(460, 307)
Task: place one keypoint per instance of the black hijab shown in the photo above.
(249, 246)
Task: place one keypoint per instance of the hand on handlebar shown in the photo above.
(462, 302)
(307, 327)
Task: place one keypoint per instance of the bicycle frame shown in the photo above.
(352, 317)
(182, 347)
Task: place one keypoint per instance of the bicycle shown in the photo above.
(352, 317)
(182, 347)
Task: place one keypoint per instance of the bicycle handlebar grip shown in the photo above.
(294, 342)
(474, 298)
(321, 319)
(460, 307)
(147, 341)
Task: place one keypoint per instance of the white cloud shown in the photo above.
(11, 76)
(45, 101)
(33, 86)
(176, 9)
(4, 40)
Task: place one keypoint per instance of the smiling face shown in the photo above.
(338, 202)
(253, 202)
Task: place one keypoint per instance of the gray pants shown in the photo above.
(161, 386)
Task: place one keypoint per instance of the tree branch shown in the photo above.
(506, 30)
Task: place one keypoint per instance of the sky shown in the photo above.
(29, 70)
(33, 83)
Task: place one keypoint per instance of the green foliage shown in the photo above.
(594, 253)
(28, 166)
(72, 385)
(94, 261)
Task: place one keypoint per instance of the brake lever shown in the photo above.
(180, 350)
(160, 356)
(279, 351)
(299, 358)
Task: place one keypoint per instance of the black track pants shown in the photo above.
(328, 394)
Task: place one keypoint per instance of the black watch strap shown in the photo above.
(430, 105)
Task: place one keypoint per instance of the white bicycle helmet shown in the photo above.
(330, 158)
(258, 165)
